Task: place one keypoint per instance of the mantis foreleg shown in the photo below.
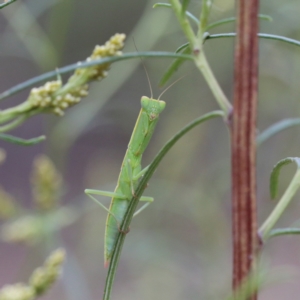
(142, 208)
(102, 205)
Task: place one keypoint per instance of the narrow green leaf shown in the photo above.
(284, 231)
(182, 47)
(161, 4)
(7, 3)
(276, 128)
(286, 198)
(229, 20)
(276, 171)
(260, 35)
(188, 14)
(173, 68)
(265, 17)
(204, 15)
(15, 140)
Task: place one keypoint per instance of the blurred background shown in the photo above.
(180, 247)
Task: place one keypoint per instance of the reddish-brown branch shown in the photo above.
(243, 142)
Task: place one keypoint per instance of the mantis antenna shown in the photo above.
(144, 69)
(149, 82)
(170, 86)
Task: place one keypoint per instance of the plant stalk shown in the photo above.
(243, 144)
(203, 66)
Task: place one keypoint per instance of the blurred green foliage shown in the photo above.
(180, 247)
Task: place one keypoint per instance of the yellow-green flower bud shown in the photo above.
(41, 97)
(111, 48)
(24, 230)
(55, 98)
(2, 156)
(8, 206)
(44, 277)
(18, 291)
(46, 183)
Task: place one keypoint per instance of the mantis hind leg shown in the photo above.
(90, 192)
(110, 213)
(149, 200)
(103, 206)
(141, 209)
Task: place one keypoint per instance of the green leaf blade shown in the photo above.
(233, 19)
(22, 142)
(173, 68)
(276, 128)
(7, 3)
(182, 47)
(274, 177)
(284, 231)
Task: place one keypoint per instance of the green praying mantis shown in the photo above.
(131, 172)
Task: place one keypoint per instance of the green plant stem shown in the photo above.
(243, 146)
(13, 112)
(22, 142)
(199, 56)
(18, 121)
(206, 5)
(283, 203)
(69, 68)
(185, 25)
(138, 193)
(203, 66)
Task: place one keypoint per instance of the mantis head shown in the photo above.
(152, 107)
